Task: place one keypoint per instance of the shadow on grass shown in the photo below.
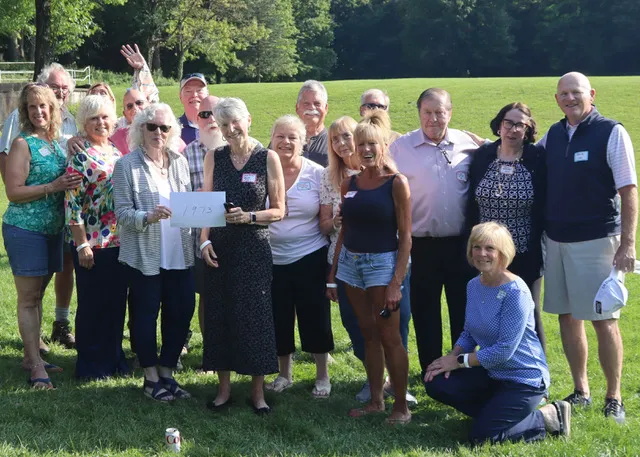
(113, 415)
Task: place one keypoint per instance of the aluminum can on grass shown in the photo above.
(172, 439)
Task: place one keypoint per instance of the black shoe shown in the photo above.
(211, 404)
(264, 411)
(577, 398)
(614, 408)
(61, 333)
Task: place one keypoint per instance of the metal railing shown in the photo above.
(10, 76)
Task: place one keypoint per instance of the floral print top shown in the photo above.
(91, 204)
(44, 215)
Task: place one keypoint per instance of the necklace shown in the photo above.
(163, 170)
(506, 168)
(240, 160)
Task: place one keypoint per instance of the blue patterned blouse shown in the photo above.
(500, 321)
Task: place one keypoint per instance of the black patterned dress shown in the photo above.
(239, 333)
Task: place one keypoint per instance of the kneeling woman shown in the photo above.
(501, 384)
(376, 233)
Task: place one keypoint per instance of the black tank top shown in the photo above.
(369, 217)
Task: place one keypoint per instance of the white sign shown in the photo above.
(197, 209)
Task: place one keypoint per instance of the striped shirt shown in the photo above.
(135, 193)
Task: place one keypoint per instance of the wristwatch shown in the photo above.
(460, 360)
(253, 219)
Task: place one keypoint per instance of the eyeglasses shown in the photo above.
(62, 90)
(136, 103)
(373, 106)
(519, 126)
(340, 138)
(205, 114)
(153, 127)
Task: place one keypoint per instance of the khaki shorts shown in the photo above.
(573, 274)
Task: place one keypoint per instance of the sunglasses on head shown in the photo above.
(192, 75)
(205, 114)
(153, 127)
(373, 106)
(136, 103)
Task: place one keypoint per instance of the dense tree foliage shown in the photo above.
(267, 40)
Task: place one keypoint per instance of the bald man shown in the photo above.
(133, 102)
(591, 220)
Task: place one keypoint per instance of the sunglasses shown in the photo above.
(137, 103)
(192, 75)
(373, 106)
(205, 114)
(153, 127)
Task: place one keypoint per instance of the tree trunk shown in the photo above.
(180, 64)
(44, 52)
(157, 64)
(13, 52)
(150, 51)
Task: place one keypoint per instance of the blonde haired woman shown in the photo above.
(371, 258)
(501, 384)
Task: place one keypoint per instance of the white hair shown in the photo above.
(136, 137)
(291, 121)
(371, 92)
(44, 75)
(229, 109)
(311, 85)
(92, 105)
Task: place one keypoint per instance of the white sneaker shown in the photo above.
(411, 400)
(364, 396)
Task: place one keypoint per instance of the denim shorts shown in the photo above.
(32, 253)
(366, 270)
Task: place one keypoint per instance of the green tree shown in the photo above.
(273, 55)
(315, 38)
(17, 23)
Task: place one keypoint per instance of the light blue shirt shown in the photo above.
(500, 320)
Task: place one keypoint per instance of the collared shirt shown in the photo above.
(500, 320)
(12, 129)
(190, 130)
(135, 193)
(316, 148)
(438, 177)
(195, 152)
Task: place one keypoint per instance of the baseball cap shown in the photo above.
(192, 77)
(612, 294)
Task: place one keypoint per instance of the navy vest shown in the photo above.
(582, 200)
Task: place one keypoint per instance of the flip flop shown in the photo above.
(34, 381)
(322, 389)
(397, 420)
(279, 384)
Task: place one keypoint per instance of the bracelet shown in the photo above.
(46, 191)
(333, 223)
(204, 245)
(82, 246)
(332, 285)
(466, 361)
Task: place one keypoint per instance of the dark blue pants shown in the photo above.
(102, 298)
(502, 410)
(350, 321)
(174, 291)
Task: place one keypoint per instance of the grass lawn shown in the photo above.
(113, 418)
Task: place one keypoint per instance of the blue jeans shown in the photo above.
(174, 290)
(502, 410)
(350, 322)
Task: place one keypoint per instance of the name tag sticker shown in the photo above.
(350, 194)
(44, 152)
(462, 176)
(249, 177)
(507, 169)
(581, 156)
(304, 185)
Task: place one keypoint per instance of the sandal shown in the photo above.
(279, 384)
(33, 382)
(363, 411)
(172, 386)
(50, 367)
(398, 420)
(322, 389)
(158, 392)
